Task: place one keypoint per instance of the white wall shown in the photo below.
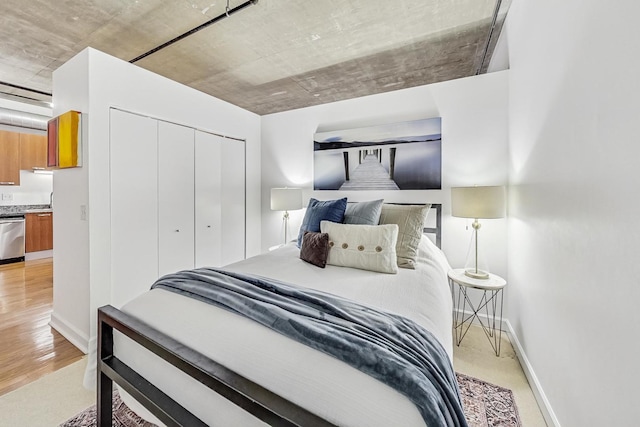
(500, 56)
(34, 189)
(93, 82)
(71, 251)
(573, 228)
(474, 151)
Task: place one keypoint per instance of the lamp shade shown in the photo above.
(286, 199)
(478, 202)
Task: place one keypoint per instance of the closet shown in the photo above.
(177, 201)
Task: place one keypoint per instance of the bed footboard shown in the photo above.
(253, 398)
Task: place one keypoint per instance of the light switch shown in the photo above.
(8, 197)
(83, 212)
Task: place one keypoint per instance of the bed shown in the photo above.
(181, 361)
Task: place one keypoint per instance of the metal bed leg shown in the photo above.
(105, 384)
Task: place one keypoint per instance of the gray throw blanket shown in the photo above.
(388, 347)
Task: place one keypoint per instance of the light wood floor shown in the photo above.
(29, 347)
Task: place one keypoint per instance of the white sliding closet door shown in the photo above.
(134, 205)
(175, 197)
(233, 201)
(208, 182)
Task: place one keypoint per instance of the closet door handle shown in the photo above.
(44, 214)
(7, 183)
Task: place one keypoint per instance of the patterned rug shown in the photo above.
(485, 405)
(122, 416)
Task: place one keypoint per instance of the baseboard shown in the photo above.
(91, 373)
(545, 407)
(38, 255)
(536, 387)
(485, 319)
(73, 335)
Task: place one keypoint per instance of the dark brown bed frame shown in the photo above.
(253, 398)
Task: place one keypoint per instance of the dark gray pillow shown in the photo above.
(366, 213)
(315, 248)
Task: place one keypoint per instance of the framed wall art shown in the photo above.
(396, 156)
(64, 136)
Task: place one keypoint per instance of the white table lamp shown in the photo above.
(477, 202)
(286, 199)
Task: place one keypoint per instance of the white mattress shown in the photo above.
(311, 379)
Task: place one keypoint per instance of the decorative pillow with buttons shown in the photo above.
(366, 247)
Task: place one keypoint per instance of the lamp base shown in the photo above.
(476, 274)
(475, 267)
(285, 221)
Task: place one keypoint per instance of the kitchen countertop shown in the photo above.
(17, 210)
(43, 210)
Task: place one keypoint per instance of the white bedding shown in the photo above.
(311, 379)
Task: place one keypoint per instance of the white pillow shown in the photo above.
(367, 247)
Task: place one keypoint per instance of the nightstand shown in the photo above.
(465, 312)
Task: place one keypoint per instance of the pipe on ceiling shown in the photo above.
(487, 45)
(228, 12)
(21, 119)
(27, 89)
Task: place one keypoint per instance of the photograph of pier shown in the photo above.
(396, 156)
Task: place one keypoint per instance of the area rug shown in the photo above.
(485, 405)
(122, 416)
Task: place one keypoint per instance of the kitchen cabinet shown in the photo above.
(33, 151)
(9, 158)
(38, 232)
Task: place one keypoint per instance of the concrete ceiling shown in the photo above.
(271, 56)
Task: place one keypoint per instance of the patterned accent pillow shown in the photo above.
(315, 248)
(328, 210)
(410, 221)
(367, 213)
(367, 247)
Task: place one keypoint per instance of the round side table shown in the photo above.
(465, 312)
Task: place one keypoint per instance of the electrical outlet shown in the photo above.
(7, 197)
(83, 212)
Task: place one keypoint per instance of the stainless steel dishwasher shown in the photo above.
(11, 239)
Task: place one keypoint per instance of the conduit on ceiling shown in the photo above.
(23, 88)
(495, 25)
(228, 12)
